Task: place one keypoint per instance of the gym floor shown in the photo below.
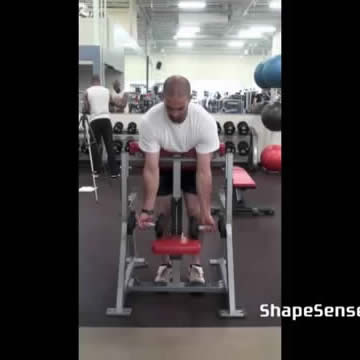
(178, 344)
(257, 255)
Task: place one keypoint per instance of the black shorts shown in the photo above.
(188, 182)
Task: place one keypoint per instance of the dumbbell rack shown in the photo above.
(128, 259)
(249, 160)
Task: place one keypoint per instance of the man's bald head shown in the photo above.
(95, 79)
(177, 86)
(177, 95)
(116, 86)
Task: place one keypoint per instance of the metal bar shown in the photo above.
(129, 269)
(188, 161)
(222, 266)
(238, 195)
(121, 290)
(96, 21)
(176, 266)
(86, 125)
(148, 286)
(230, 260)
(177, 202)
(229, 187)
(177, 177)
(124, 179)
(131, 200)
(222, 199)
(147, 73)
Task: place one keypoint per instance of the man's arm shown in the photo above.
(204, 183)
(151, 179)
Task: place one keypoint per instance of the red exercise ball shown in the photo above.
(271, 158)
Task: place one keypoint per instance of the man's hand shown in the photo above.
(208, 220)
(143, 219)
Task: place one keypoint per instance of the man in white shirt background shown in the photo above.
(96, 103)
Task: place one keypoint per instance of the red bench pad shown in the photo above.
(176, 245)
(241, 179)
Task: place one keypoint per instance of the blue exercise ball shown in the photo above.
(271, 72)
(258, 76)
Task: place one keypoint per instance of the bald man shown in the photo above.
(118, 98)
(96, 103)
(177, 125)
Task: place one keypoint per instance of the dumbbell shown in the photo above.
(159, 225)
(243, 128)
(117, 145)
(243, 148)
(132, 128)
(84, 148)
(118, 128)
(230, 147)
(195, 227)
(222, 226)
(229, 128)
(219, 127)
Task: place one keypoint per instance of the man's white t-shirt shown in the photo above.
(198, 131)
(99, 98)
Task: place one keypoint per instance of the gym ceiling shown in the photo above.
(158, 22)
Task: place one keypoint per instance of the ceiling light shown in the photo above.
(236, 43)
(185, 44)
(189, 29)
(184, 36)
(262, 29)
(275, 5)
(246, 34)
(191, 5)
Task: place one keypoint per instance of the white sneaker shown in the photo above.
(196, 274)
(164, 274)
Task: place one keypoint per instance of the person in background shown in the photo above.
(118, 98)
(96, 103)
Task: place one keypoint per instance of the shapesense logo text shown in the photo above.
(316, 311)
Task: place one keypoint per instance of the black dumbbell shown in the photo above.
(243, 128)
(229, 128)
(195, 228)
(222, 226)
(117, 146)
(84, 148)
(118, 127)
(132, 128)
(159, 224)
(230, 147)
(219, 127)
(131, 224)
(243, 148)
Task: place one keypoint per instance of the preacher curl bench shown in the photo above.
(176, 245)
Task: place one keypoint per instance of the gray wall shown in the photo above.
(92, 53)
(111, 75)
(85, 73)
